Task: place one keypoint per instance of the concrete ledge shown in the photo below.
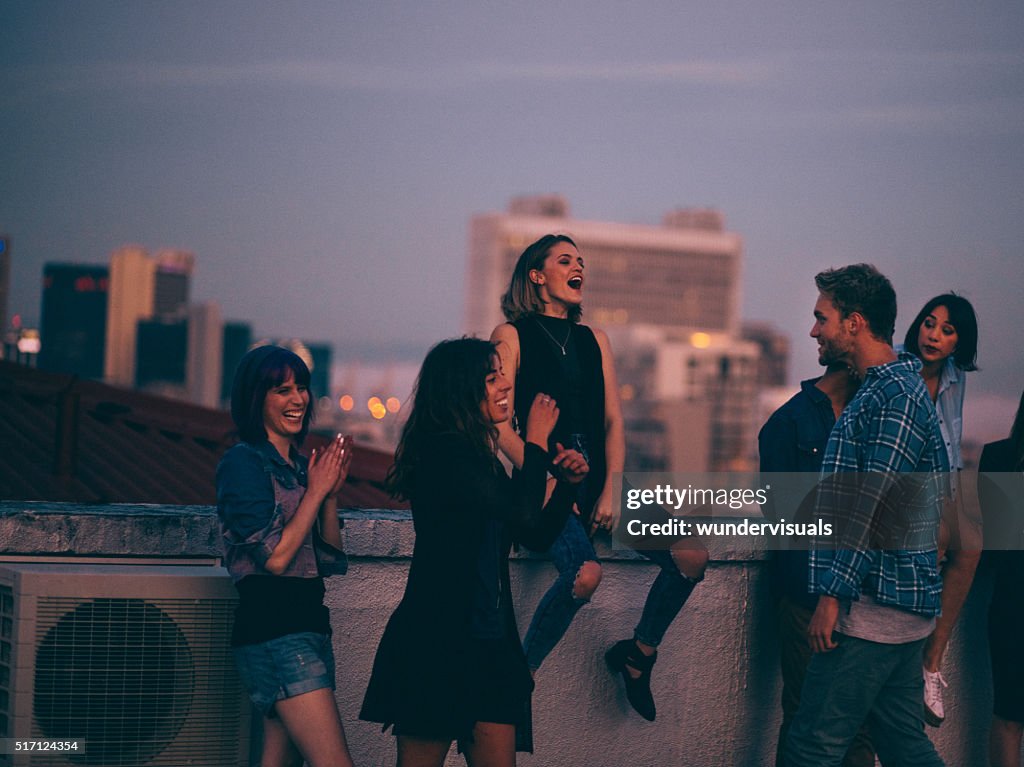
(152, 530)
(716, 681)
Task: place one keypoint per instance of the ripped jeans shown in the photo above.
(665, 598)
(559, 606)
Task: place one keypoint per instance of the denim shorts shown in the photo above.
(285, 667)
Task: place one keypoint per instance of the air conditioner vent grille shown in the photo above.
(141, 681)
(6, 639)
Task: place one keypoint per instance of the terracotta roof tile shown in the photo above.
(67, 439)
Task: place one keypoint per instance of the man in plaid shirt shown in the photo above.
(878, 600)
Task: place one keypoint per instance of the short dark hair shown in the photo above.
(523, 297)
(259, 371)
(449, 390)
(961, 317)
(863, 289)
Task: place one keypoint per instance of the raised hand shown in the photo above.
(347, 446)
(324, 474)
(571, 464)
(541, 421)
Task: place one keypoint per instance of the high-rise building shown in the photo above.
(205, 353)
(181, 355)
(320, 371)
(689, 399)
(773, 365)
(669, 298)
(173, 275)
(141, 287)
(74, 319)
(131, 300)
(682, 274)
(161, 356)
(237, 340)
(5, 278)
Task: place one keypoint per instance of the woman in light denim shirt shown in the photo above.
(944, 335)
(281, 535)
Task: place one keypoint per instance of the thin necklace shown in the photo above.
(555, 340)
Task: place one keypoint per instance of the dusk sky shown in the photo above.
(322, 159)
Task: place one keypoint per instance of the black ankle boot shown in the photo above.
(623, 656)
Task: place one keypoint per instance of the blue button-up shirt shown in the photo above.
(793, 439)
(258, 493)
(890, 427)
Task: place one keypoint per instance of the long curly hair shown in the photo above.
(449, 391)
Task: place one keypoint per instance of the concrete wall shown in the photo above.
(716, 681)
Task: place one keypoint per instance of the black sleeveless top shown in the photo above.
(574, 379)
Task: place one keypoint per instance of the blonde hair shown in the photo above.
(523, 296)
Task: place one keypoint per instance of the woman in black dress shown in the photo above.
(1001, 492)
(450, 665)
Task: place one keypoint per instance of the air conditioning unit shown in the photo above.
(132, 661)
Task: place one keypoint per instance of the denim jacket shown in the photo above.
(258, 493)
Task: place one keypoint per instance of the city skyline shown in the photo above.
(341, 152)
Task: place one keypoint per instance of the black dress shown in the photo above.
(1001, 492)
(450, 655)
(571, 372)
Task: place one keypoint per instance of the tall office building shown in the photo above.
(320, 372)
(74, 319)
(773, 366)
(237, 340)
(682, 274)
(669, 298)
(181, 355)
(5, 279)
(141, 287)
(205, 353)
(161, 356)
(173, 274)
(689, 399)
(131, 300)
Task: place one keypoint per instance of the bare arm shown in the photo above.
(614, 432)
(506, 339)
(324, 470)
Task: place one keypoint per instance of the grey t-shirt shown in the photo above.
(875, 622)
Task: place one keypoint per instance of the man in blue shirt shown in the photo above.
(876, 605)
(793, 441)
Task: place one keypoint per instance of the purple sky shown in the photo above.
(322, 159)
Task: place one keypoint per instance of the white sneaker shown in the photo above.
(934, 713)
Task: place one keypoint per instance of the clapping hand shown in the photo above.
(329, 466)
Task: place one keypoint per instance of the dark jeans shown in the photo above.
(794, 656)
(665, 598)
(860, 681)
(559, 606)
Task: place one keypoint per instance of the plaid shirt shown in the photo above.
(888, 429)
